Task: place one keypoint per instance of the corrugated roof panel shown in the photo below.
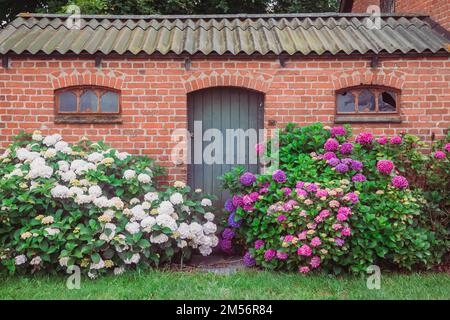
(221, 34)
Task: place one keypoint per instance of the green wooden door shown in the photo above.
(225, 109)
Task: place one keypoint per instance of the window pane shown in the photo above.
(67, 102)
(387, 102)
(366, 101)
(346, 102)
(109, 102)
(88, 102)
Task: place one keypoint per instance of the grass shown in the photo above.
(242, 285)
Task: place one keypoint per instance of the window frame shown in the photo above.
(78, 91)
(376, 90)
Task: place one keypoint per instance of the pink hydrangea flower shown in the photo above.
(288, 238)
(302, 235)
(259, 244)
(334, 204)
(282, 255)
(338, 131)
(302, 213)
(331, 145)
(439, 155)
(304, 250)
(270, 254)
(254, 196)
(281, 217)
(303, 269)
(396, 140)
(346, 232)
(447, 147)
(345, 210)
(364, 138)
(315, 262)
(327, 156)
(263, 190)
(385, 166)
(346, 148)
(321, 193)
(337, 226)
(341, 217)
(259, 148)
(324, 213)
(318, 219)
(400, 182)
(286, 191)
(382, 140)
(299, 185)
(315, 242)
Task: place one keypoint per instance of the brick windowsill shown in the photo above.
(88, 119)
(357, 119)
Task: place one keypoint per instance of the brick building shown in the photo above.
(132, 80)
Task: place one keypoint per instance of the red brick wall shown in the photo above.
(154, 95)
(361, 6)
(439, 10)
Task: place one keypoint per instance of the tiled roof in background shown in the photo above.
(305, 34)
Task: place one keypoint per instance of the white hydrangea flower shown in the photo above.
(80, 166)
(205, 250)
(159, 239)
(68, 176)
(95, 191)
(52, 231)
(134, 201)
(151, 196)
(102, 202)
(99, 265)
(63, 166)
(176, 198)
(165, 207)
(51, 140)
(196, 229)
(95, 157)
(122, 155)
(48, 220)
(134, 259)
(19, 260)
(147, 223)
(144, 178)
(16, 172)
(214, 240)
(146, 205)
(61, 146)
(61, 192)
(179, 184)
(49, 153)
(185, 209)
(117, 203)
(63, 261)
(118, 271)
(112, 227)
(36, 261)
(37, 136)
(38, 168)
(206, 202)
(129, 174)
(182, 244)
(209, 227)
(84, 199)
(132, 227)
(76, 191)
(184, 230)
(166, 221)
(209, 216)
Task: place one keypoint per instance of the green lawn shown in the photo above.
(242, 285)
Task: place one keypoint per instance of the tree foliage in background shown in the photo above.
(10, 8)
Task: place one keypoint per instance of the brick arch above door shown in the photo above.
(248, 80)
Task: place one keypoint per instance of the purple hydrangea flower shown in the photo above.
(339, 242)
(225, 245)
(228, 234)
(347, 161)
(359, 177)
(346, 148)
(247, 179)
(249, 260)
(356, 165)
(312, 187)
(282, 255)
(232, 221)
(229, 205)
(342, 168)
(279, 176)
(331, 145)
(328, 155)
(353, 197)
(333, 162)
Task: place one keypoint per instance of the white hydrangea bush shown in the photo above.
(92, 206)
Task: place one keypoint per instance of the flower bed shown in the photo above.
(341, 205)
(95, 207)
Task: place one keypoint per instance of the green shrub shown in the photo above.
(89, 205)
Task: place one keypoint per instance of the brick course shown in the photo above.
(154, 95)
